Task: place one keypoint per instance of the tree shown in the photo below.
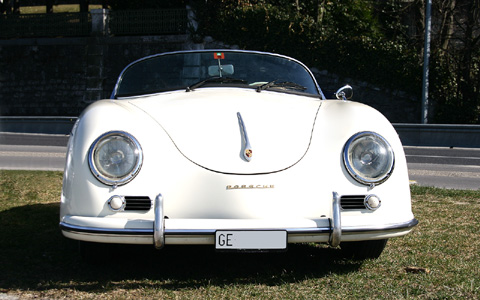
(344, 37)
(457, 86)
(381, 40)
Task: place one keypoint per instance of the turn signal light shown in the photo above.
(116, 203)
(372, 202)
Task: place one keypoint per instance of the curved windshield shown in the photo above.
(192, 70)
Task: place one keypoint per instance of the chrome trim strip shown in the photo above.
(247, 148)
(143, 232)
(297, 231)
(108, 231)
(336, 234)
(392, 227)
(159, 223)
(169, 232)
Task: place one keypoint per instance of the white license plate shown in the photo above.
(251, 240)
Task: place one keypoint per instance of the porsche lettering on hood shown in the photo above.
(206, 128)
(250, 186)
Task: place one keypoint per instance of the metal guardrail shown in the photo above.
(439, 135)
(434, 135)
(45, 25)
(48, 125)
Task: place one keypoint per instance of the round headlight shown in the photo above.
(368, 158)
(115, 158)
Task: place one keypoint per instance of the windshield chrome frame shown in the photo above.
(119, 79)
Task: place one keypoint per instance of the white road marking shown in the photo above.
(30, 154)
(444, 173)
(439, 156)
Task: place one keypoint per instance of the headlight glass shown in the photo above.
(115, 158)
(368, 158)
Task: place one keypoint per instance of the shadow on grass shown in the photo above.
(35, 256)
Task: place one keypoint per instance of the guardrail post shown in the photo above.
(95, 79)
(99, 22)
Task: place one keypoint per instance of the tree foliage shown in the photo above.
(379, 41)
(145, 4)
(344, 37)
(454, 64)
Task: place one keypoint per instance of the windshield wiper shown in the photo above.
(215, 80)
(281, 84)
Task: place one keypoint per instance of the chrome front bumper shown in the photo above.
(332, 232)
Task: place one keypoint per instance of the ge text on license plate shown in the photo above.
(251, 239)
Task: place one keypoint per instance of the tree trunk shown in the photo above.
(320, 10)
(7, 7)
(49, 6)
(84, 5)
(16, 7)
(447, 24)
(466, 69)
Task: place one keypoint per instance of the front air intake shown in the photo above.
(351, 202)
(142, 203)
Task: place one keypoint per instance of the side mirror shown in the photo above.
(344, 93)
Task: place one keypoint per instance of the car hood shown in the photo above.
(205, 128)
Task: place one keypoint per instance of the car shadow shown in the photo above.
(35, 256)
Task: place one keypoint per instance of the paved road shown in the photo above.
(32, 151)
(24, 157)
(457, 168)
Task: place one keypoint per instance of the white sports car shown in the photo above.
(235, 149)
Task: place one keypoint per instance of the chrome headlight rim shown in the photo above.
(112, 180)
(355, 174)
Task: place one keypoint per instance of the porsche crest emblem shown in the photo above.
(248, 153)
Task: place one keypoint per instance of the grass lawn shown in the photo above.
(440, 259)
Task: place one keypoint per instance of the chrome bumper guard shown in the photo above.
(159, 223)
(336, 222)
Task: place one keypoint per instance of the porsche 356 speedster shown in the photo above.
(240, 150)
